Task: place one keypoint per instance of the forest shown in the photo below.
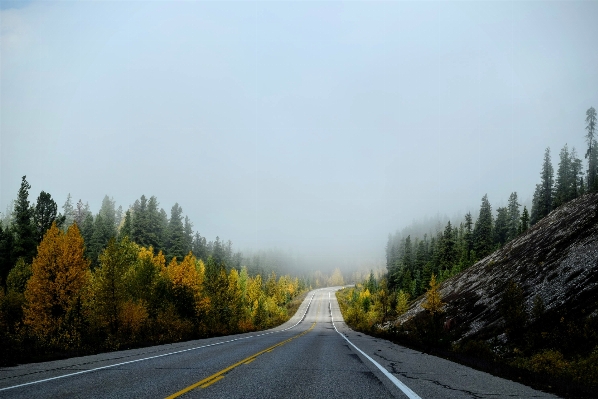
(540, 342)
(73, 283)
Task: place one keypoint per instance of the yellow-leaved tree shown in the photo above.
(433, 303)
(54, 292)
(336, 278)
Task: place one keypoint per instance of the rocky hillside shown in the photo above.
(556, 259)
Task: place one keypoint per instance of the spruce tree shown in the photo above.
(564, 176)
(542, 203)
(6, 253)
(592, 152)
(176, 234)
(125, 230)
(139, 223)
(155, 231)
(482, 232)
(576, 178)
(501, 226)
(513, 216)
(468, 237)
(524, 221)
(45, 214)
(188, 234)
(68, 212)
(448, 255)
(23, 227)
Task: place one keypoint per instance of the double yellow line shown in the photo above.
(206, 382)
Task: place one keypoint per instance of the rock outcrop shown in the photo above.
(556, 259)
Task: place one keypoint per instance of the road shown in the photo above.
(313, 355)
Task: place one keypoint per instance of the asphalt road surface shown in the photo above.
(314, 355)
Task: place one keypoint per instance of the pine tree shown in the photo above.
(139, 223)
(513, 216)
(482, 232)
(546, 198)
(45, 214)
(23, 227)
(448, 255)
(125, 230)
(6, 253)
(81, 213)
(68, 212)
(155, 231)
(108, 213)
(501, 226)
(199, 247)
(576, 176)
(592, 152)
(176, 233)
(524, 221)
(188, 235)
(563, 186)
(534, 217)
(87, 233)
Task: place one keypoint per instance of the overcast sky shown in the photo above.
(316, 127)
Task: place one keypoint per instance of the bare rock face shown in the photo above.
(556, 259)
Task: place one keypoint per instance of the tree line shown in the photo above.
(122, 280)
(412, 261)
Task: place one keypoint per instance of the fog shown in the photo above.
(314, 129)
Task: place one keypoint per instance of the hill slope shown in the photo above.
(556, 259)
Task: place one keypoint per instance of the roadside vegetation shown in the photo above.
(74, 283)
(549, 349)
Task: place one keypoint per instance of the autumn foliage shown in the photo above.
(56, 288)
(132, 297)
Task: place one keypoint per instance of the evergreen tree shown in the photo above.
(188, 235)
(125, 230)
(68, 212)
(407, 255)
(482, 233)
(218, 251)
(576, 176)
(564, 177)
(155, 231)
(6, 254)
(534, 217)
(81, 213)
(176, 234)
(448, 255)
(592, 152)
(25, 233)
(108, 213)
(524, 221)
(199, 247)
(87, 233)
(139, 223)
(513, 216)
(468, 238)
(45, 214)
(501, 227)
(546, 199)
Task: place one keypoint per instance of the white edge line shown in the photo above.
(157, 356)
(406, 390)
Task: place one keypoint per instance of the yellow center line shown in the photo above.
(220, 375)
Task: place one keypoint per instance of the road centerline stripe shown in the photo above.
(156, 356)
(220, 374)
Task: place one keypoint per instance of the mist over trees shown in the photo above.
(83, 282)
(411, 260)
